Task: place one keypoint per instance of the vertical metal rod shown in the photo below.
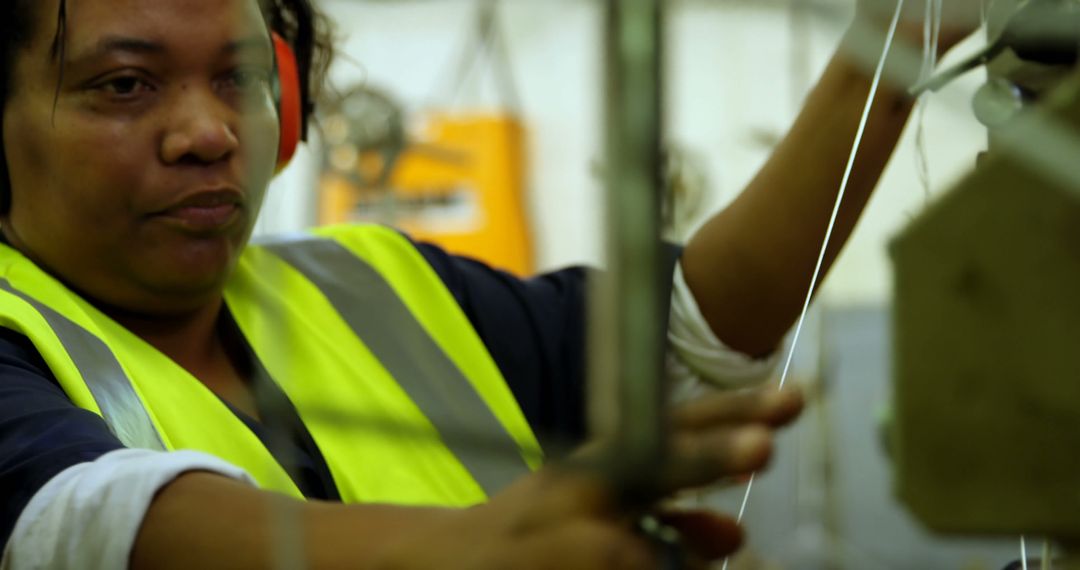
(628, 330)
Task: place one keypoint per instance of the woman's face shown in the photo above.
(137, 177)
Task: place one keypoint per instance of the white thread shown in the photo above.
(746, 497)
(1023, 553)
(864, 119)
(931, 43)
(742, 509)
(843, 188)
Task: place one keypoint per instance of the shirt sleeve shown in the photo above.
(697, 358)
(41, 432)
(89, 515)
(73, 496)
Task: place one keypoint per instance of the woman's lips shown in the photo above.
(204, 218)
(206, 212)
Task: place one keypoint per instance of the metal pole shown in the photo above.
(628, 329)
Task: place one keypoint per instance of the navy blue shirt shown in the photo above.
(534, 330)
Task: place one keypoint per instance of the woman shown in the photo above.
(166, 381)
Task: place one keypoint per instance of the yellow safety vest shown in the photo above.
(383, 367)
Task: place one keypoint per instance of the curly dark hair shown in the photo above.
(298, 21)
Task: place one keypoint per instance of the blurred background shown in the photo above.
(737, 74)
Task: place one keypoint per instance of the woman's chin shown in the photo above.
(181, 285)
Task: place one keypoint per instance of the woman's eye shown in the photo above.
(126, 85)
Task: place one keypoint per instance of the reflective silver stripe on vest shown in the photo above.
(109, 385)
(376, 314)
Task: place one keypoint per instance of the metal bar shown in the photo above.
(628, 332)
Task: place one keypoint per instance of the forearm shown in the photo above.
(202, 520)
(750, 266)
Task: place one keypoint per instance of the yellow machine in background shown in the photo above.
(457, 181)
(460, 185)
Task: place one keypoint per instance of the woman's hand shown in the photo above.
(568, 516)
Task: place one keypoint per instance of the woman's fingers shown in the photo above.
(764, 406)
(716, 437)
(727, 434)
(710, 536)
(702, 458)
(591, 544)
(567, 490)
(582, 544)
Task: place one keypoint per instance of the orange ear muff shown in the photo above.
(287, 93)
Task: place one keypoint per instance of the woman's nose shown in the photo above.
(201, 129)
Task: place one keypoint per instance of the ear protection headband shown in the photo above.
(287, 100)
